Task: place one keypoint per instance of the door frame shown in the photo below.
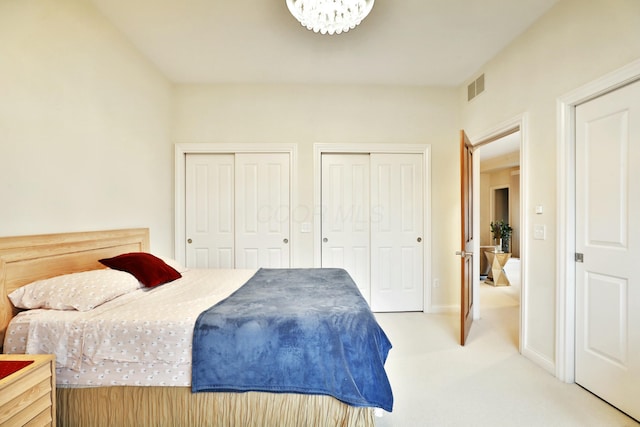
(521, 123)
(388, 148)
(183, 149)
(566, 213)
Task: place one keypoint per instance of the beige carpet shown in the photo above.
(436, 382)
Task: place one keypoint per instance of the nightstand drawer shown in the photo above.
(27, 396)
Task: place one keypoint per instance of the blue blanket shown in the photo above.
(304, 331)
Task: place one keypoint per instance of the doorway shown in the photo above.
(499, 200)
(500, 181)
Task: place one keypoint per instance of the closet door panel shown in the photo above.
(209, 216)
(262, 183)
(397, 224)
(345, 216)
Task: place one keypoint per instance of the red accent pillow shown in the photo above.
(148, 269)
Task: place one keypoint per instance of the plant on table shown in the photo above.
(502, 233)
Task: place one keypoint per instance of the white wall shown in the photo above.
(576, 42)
(85, 131)
(305, 115)
(84, 126)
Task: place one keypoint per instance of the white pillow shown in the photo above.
(76, 291)
(174, 264)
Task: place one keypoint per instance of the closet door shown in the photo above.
(372, 225)
(209, 216)
(237, 210)
(397, 224)
(607, 154)
(345, 216)
(262, 220)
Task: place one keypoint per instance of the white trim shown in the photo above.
(181, 151)
(521, 122)
(444, 309)
(424, 149)
(565, 272)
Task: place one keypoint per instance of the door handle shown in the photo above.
(285, 241)
(189, 241)
(464, 254)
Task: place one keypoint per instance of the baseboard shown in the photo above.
(540, 360)
(440, 309)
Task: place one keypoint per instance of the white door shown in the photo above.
(262, 210)
(237, 210)
(209, 216)
(608, 236)
(397, 218)
(345, 216)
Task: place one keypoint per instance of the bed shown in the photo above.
(26, 259)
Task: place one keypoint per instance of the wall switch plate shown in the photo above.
(539, 232)
(539, 210)
(305, 227)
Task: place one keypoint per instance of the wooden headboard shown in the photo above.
(24, 259)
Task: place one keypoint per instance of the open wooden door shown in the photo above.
(466, 252)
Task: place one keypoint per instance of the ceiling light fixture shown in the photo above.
(330, 16)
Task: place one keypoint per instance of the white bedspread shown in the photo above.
(142, 338)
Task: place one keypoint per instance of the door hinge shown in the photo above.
(579, 257)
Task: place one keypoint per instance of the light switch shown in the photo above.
(539, 232)
(305, 227)
(539, 209)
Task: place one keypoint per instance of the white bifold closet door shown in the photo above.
(372, 225)
(237, 210)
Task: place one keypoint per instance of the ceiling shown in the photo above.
(501, 147)
(401, 42)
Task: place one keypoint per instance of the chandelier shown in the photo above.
(330, 16)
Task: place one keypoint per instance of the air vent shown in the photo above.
(475, 88)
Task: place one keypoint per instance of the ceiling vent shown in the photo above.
(475, 88)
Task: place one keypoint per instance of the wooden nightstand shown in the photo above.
(27, 396)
